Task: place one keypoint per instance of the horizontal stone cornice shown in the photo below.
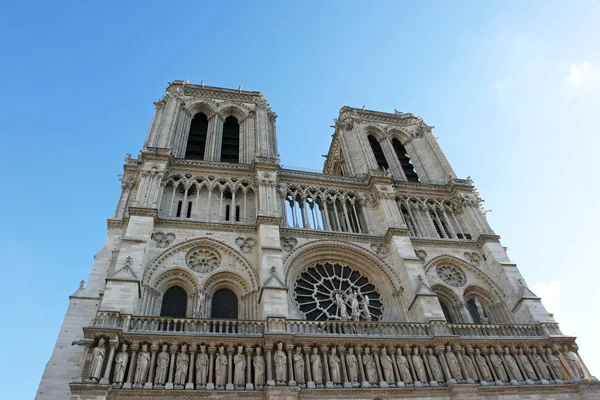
(329, 235)
(212, 226)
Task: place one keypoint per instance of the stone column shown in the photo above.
(289, 348)
(229, 385)
(513, 380)
(392, 354)
(173, 352)
(459, 356)
(153, 349)
(309, 383)
(423, 352)
(408, 354)
(361, 369)
(382, 382)
(190, 381)
(134, 350)
(106, 379)
(439, 351)
(485, 352)
(249, 385)
(535, 367)
(210, 384)
(345, 383)
(269, 348)
(515, 354)
(324, 351)
(470, 352)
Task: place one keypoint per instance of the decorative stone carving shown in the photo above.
(387, 366)
(474, 258)
(419, 366)
(453, 364)
(527, 366)
(451, 275)
(121, 365)
(183, 361)
(239, 365)
(299, 366)
(203, 260)
(434, 365)
(259, 368)
(200, 304)
(202, 367)
(573, 361)
(245, 244)
(403, 367)
(541, 365)
(280, 364)
(470, 366)
(334, 367)
(162, 367)
(163, 240)
(556, 365)
(380, 250)
(329, 291)
(221, 368)
(97, 361)
(370, 367)
(486, 374)
(352, 365)
(288, 243)
(315, 363)
(512, 365)
(498, 365)
(142, 365)
(422, 254)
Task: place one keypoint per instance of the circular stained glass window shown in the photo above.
(331, 291)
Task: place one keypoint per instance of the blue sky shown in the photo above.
(513, 89)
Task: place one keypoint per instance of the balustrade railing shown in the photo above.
(196, 326)
(489, 330)
(357, 328)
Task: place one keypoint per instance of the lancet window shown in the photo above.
(196, 143)
(405, 163)
(230, 141)
(378, 153)
(209, 199)
(435, 219)
(322, 209)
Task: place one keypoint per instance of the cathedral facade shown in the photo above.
(225, 275)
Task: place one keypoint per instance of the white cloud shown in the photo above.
(549, 292)
(583, 73)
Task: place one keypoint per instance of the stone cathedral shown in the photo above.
(226, 275)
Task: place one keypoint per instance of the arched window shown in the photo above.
(230, 142)
(446, 312)
(407, 167)
(197, 138)
(224, 304)
(476, 310)
(378, 153)
(174, 303)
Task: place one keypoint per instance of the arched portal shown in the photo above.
(224, 304)
(174, 303)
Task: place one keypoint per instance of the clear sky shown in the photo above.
(513, 89)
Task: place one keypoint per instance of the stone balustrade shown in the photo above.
(489, 330)
(354, 328)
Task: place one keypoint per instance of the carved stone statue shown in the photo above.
(259, 368)
(202, 366)
(387, 366)
(527, 366)
(239, 363)
(162, 367)
(403, 367)
(97, 361)
(486, 374)
(354, 305)
(470, 368)
(299, 366)
(479, 308)
(183, 361)
(573, 362)
(142, 366)
(512, 365)
(317, 370)
(334, 367)
(280, 364)
(200, 304)
(121, 365)
(541, 365)
(434, 365)
(366, 313)
(352, 365)
(453, 364)
(556, 365)
(498, 365)
(419, 366)
(370, 368)
(342, 307)
(221, 368)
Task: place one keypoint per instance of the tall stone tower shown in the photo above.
(225, 275)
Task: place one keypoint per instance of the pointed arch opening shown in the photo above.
(378, 153)
(174, 302)
(196, 143)
(405, 163)
(230, 141)
(224, 304)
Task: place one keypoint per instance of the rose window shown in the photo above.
(451, 275)
(333, 291)
(203, 260)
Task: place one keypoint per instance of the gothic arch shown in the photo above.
(396, 133)
(450, 300)
(175, 277)
(206, 106)
(227, 109)
(157, 266)
(379, 273)
(227, 279)
(374, 131)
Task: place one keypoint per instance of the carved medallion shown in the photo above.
(288, 243)
(203, 260)
(245, 244)
(163, 240)
(451, 275)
